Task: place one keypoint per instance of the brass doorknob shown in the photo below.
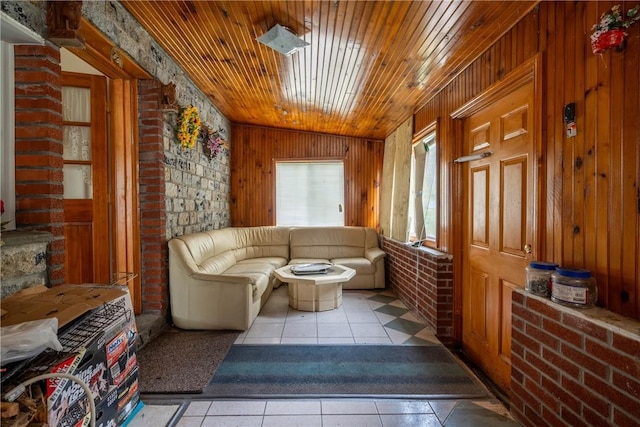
(527, 249)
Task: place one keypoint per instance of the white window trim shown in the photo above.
(11, 33)
(419, 139)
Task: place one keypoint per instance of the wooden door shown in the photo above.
(85, 177)
(498, 215)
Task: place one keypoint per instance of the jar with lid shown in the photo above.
(538, 280)
(573, 288)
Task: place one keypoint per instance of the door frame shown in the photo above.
(529, 71)
(123, 74)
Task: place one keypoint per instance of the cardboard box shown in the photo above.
(67, 303)
(107, 410)
(85, 340)
(121, 354)
(106, 413)
(128, 397)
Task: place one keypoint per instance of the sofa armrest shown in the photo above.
(221, 278)
(374, 254)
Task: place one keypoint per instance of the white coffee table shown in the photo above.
(315, 292)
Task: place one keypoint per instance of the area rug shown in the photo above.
(180, 361)
(264, 371)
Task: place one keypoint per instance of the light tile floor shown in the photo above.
(365, 317)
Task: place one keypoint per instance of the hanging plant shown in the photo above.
(610, 31)
(188, 127)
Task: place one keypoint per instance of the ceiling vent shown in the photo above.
(281, 39)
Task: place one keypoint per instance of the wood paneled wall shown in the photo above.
(256, 149)
(590, 204)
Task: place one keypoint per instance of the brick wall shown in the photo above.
(573, 367)
(152, 200)
(38, 146)
(423, 280)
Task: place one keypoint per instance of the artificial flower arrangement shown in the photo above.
(3, 224)
(188, 127)
(610, 31)
(212, 143)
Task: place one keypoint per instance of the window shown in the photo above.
(423, 198)
(310, 193)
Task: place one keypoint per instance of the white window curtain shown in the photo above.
(423, 189)
(76, 108)
(310, 193)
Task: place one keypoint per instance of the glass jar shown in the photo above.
(538, 280)
(573, 288)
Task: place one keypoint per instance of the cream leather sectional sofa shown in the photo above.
(220, 279)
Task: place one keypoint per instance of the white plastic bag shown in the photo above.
(28, 339)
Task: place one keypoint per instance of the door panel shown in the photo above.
(513, 196)
(87, 249)
(479, 201)
(497, 222)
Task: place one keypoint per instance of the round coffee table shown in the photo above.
(315, 292)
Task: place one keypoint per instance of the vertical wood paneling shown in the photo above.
(591, 203)
(256, 149)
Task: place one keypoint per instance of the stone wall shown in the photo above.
(197, 189)
(23, 260)
(180, 191)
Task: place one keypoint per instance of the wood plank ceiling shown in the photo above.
(370, 64)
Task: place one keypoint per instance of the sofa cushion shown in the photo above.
(218, 264)
(360, 265)
(327, 242)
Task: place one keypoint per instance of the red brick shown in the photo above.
(585, 394)
(40, 203)
(31, 218)
(540, 365)
(563, 364)
(585, 326)
(551, 418)
(39, 189)
(44, 133)
(570, 418)
(517, 349)
(626, 383)
(562, 332)
(592, 418)
(560, 396)
(543, 308)
(585, 361)
(529, 316)
(624, 419)
(53, 106)
(527, 398)
(517, 298)
(37, 161)
(526, 341)
(627, 345)
(29, 90)
(614, 358)
(628, 403)
(543, 337)
(41, 77)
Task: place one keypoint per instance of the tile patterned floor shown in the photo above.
(365, 317)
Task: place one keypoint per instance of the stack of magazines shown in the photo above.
(315, 268)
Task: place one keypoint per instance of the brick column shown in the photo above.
(38, 147)
(155, 295)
